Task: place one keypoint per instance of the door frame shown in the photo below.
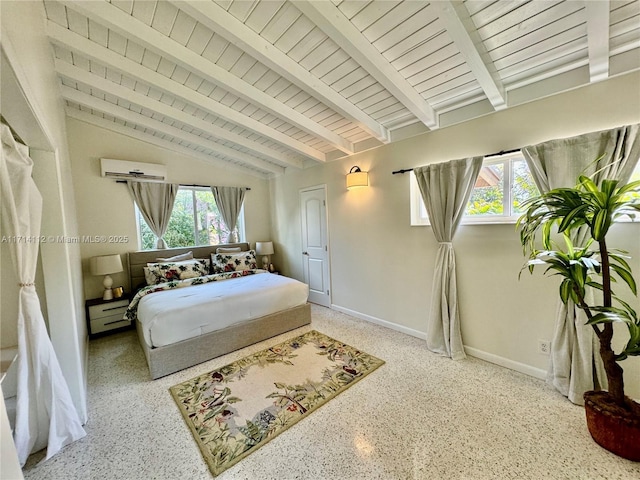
(323, 187)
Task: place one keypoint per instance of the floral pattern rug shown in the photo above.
(234, 410)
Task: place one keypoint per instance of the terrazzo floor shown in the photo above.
(419, 416)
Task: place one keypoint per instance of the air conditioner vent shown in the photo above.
(125, 170)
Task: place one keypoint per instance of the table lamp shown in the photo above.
(266, 249)
(104, 265)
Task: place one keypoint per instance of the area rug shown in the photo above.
(234, 410)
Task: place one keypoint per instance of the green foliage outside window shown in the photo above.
(488, 196)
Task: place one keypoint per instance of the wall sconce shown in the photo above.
(357, 178)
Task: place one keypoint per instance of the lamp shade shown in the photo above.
(105, 264)
(357, 178)
(264, 248)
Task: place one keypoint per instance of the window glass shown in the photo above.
(523, 186)
(195, 220)
(487, 197)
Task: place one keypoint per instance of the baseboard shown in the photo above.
(379, 321)
(473, 352)
(505, 362)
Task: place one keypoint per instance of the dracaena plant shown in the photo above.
(586, 213)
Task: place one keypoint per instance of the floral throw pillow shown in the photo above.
(166, 272)
(233, 262)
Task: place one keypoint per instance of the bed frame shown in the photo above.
(172, 358)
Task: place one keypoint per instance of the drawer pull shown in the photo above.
(112, 308)
(115, 321)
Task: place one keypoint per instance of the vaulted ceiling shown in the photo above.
(269, 85)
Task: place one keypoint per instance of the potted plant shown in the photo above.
(587, 212)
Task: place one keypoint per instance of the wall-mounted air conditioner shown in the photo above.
(125, 170)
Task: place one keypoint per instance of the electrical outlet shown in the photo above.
(544, 347)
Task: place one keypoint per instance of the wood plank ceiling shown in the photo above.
(269, 85)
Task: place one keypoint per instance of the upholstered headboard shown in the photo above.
(138, 260)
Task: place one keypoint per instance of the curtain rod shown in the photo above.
(209, 186)
(497, 154)
(186, 185)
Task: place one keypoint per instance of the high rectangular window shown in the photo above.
(503, 185)
(195, 220)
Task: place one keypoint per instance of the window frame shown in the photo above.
(416, 203)
(240, 225)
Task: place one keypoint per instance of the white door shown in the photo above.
(315, 246)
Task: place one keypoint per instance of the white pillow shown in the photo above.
(177, 258)
(228, 250)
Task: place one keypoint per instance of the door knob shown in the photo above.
(305, 253)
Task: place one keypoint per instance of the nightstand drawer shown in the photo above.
(111, 322)
(108, 309)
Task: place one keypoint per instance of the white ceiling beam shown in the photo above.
(223, 23)
(598, 39)
(332, 22)
(94, 81)
(120, 112)
(129, 27)
(460, 27)
(158, 142)
(91, 50)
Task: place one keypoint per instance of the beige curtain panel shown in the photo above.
(155, 201)
(229, 201)
(445, 189)
(575, 366)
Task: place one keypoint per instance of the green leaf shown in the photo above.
(565, 290)
(626, 276)
(572, 217)
(596, 285)
(607, 317)
(600, 226)
(620, 260)
(546, 235)
(588, 184)
(629, 187)
(609, 186)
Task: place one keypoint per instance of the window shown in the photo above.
(503, 185)
(195, 220)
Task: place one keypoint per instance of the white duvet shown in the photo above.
(174, 315)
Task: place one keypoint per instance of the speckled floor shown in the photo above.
(419, 416)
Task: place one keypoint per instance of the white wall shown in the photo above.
(106, 208)
(29, 54)
(382, 267)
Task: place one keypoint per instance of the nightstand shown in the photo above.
(105, 316)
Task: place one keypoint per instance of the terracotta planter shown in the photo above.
(620, 434)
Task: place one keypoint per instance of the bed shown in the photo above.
(182, 327)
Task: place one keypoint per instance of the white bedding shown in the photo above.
(171, 316)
